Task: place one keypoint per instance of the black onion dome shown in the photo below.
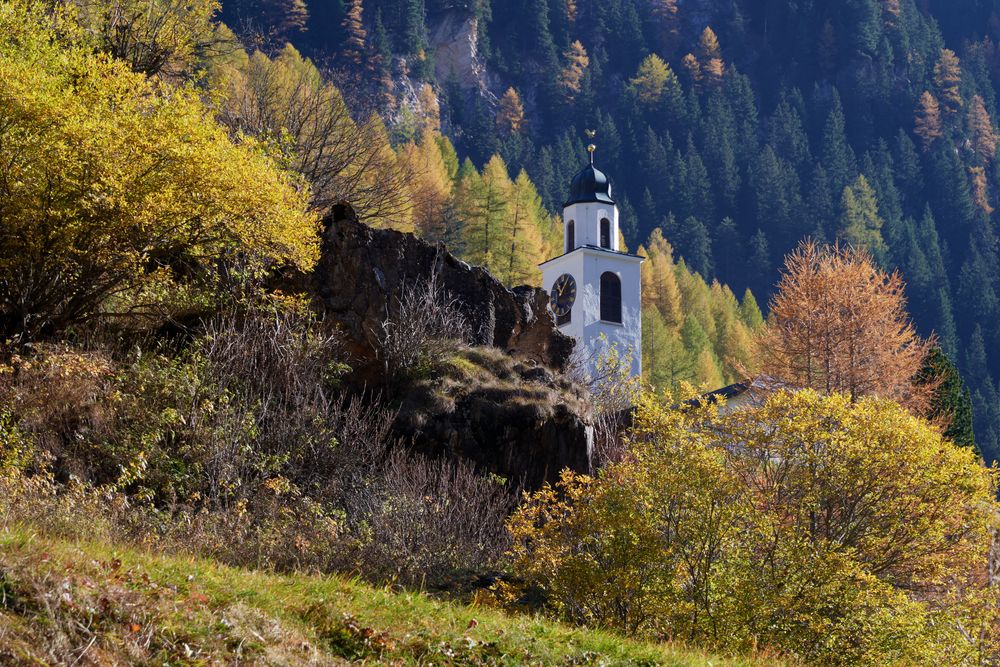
(590, 185)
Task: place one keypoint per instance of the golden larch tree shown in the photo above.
(430, 109)
(571, 10)
(354, 47)
(571, 77)
(927, 124)
(651, 79)
(665, 16)
(984, 138)
(431, 185)
(510, 116)
(659, 282)
(947, 78)
(980, 191)
(692, 67)
(710, 56)
(838, 323)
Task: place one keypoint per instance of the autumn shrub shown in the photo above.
(423, 324)
(430, 522)
(17, 451)
(839, 532)
(614, 392)
(243, 445)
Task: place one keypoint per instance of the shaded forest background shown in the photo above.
(731, 128)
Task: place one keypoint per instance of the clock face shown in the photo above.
(563, 294)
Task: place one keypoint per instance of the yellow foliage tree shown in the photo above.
(659, 283)
(651, 79)
(710, 57)
(510, 116)
(838, 532)
(692, 67)
(286, 100)
(572, 73)
(430, 109)
(838, 323)
(354, 27)
(430, 184)
(156, 37)
(980, 190)
(111, 178)
(984, 138)
(665, 13)
(948, 78)
(927, 124)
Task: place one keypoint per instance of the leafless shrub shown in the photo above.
(426, 323)
(60, 397)
(243, 447)
(281, 372)
(614, 391)
(427, 521)
(282, 355)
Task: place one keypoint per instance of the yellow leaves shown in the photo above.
(927, 123)
(948, 78)
(510, 116)
(799, 525)
(651, 79)
(110, 169)
(571, 77)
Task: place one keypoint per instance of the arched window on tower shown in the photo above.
(605, 233)
(611, 298)
(570, 236)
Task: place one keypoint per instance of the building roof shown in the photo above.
(755, 390)
(587, 246)
(590, 185)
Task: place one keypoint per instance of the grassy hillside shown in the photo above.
(63, 602)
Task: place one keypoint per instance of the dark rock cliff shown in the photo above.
(510, 410)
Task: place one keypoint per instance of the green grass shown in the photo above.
(63, 601)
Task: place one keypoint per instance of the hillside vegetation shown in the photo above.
(96, 604)
(225, 402)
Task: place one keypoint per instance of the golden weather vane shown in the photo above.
(591, 148)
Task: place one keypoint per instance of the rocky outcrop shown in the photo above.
(517, 420)
(454, 40)
(502, 402)
(362, 270)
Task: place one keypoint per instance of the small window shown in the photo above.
(611, 298)
(570, 236)
(605, 233)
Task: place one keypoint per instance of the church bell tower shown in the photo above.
(595, 288)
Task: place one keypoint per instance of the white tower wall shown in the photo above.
(586, 220)
(593, 334)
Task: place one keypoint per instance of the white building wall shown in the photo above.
(587, 222)
(586, 266)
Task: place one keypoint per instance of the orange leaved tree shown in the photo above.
(838, 323)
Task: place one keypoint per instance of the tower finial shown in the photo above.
(591, 148)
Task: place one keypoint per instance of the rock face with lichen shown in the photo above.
(505, 402)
